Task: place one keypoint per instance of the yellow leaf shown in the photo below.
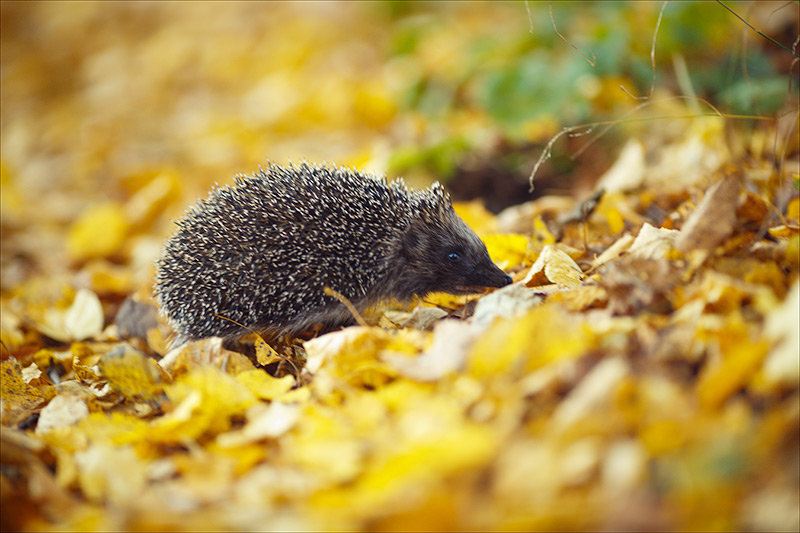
(740, 361)
(323, 442)
(793, 210)
(205, 399)
(99, 232)
(507, 250)
(542, 335)
(476, 216)
(424, 460)
(557, 266)
(264, 386)
(131, 373)
(266, 354)
(19, 399)
(540, 237)
(351, 356)
(373, 104)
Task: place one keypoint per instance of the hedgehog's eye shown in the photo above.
(453, 257)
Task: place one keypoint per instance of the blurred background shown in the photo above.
(116, 115)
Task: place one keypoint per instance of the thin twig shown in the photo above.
(530, 17)
(652, 59)
(773, 41)
(592, 61)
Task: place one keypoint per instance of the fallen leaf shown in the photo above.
(19, 399)
(557, 267)
(451, 341)
(131, 373)
(509, 302)
(263, 421)
(64, 410)
(99, 232)
(714, 218)
(653, 243)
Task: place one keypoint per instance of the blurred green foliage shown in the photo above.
(526, 75)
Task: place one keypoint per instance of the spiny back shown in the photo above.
(262, 251)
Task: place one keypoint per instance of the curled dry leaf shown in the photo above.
(81, 320)
(653, 243)
(556, 266)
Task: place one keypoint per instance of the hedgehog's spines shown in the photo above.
(262, 250)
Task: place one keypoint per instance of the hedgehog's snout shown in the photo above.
(489, 275)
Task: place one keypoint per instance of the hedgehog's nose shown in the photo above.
(506, 281)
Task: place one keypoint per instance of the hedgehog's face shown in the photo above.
(449, 257)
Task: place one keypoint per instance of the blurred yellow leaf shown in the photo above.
(264, 386)
(540, 237)
(351, 356)
(507, 250)
(542, 335)
(99, 232)
(204, 401)
(62, 411)
(476, 216)
(131, 372)
(741, 358)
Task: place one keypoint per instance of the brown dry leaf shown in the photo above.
(634, 285)
(714, 218)
(83, 373)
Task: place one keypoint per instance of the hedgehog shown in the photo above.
(259, 254)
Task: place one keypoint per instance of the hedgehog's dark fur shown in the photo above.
(262, 251)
